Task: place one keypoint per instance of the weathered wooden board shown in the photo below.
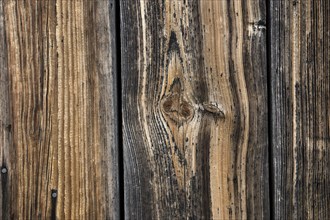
(300, 35)
(5, 121)
(194, 100)
(58, 103)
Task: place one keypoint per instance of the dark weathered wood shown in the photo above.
(5, 122)
(58, 101)
(194, 101)
(300, 79)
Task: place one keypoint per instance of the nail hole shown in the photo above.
(9, 128)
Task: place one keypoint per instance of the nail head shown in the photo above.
(54, 194)
(4, 170)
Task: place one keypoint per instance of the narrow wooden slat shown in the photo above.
(61, 70)
(5, 122)
(194, 99)
(300, 108)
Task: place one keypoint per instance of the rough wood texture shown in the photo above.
(5, 122)
(300, 102)
(62, 160)
(195, 116)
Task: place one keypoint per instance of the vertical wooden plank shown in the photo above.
(5, 121)
(194, 99)
(300, 108)
(62, 73)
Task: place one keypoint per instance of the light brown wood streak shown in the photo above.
(194, 109)
(220, 42)
(62, 76)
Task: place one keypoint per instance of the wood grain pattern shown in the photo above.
(300, 33)
(194, 99)
(5, 122)
(62, 161)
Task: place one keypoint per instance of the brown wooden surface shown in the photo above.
(299, 65)
(194, 94)
(192, 138)
(58, 135)
(5, 122)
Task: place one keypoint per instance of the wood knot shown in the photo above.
(178, 110)
(175, 106)
(212, 108)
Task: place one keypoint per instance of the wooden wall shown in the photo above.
(164, 109)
